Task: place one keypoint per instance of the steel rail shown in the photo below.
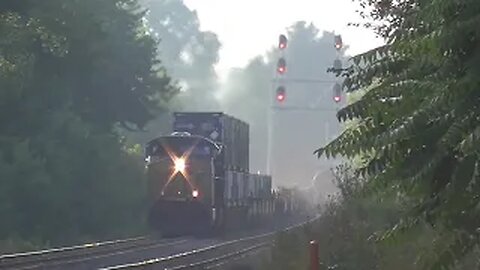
(67, 255)
(163, 262)
(64, 249)
(182, 255)
(216, 261)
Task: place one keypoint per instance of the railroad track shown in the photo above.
(211, 256)
(224, 259)
(63, 257)
(109, 255)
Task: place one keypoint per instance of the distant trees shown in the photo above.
(70, 72)
(188, 54)
(418, 124)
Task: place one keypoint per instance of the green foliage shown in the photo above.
(349, 228)
(419, 124)
(188, 54)
(71, 72)
(290, 251)
(346, 232)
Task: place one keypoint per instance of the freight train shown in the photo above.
(199, 180)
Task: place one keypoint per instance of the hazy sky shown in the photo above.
(248, 28)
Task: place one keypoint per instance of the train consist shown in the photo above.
(199, 180)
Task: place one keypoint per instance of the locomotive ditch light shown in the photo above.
(179, 165)
(195, 193)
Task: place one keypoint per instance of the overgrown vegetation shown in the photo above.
(416, 130)
(349, 230)
(71, 73)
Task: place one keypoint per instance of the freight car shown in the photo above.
(199, 178)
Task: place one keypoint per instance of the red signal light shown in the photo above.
(281, 65)
(337, 93)
(282, 42)
(281, 94)
(338, 42)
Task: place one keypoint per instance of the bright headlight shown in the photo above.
(180, 165)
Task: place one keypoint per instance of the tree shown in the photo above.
(70, 72)
(345, 233)
(189, 54)
(419, 125)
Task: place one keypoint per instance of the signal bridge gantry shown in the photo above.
(279, 79)
(281, 91)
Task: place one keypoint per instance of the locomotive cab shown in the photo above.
(181, 175)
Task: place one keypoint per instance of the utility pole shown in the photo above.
(281, 95)
(337, 88)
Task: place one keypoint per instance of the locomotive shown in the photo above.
(199, 180)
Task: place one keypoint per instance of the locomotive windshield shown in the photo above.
(179, 145)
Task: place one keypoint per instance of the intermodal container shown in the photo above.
(230, 132)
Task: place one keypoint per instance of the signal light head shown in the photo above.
(281, 95)
(337, 64)
(338, 42)
(281, 65)
(282, 42)
(337, 92)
